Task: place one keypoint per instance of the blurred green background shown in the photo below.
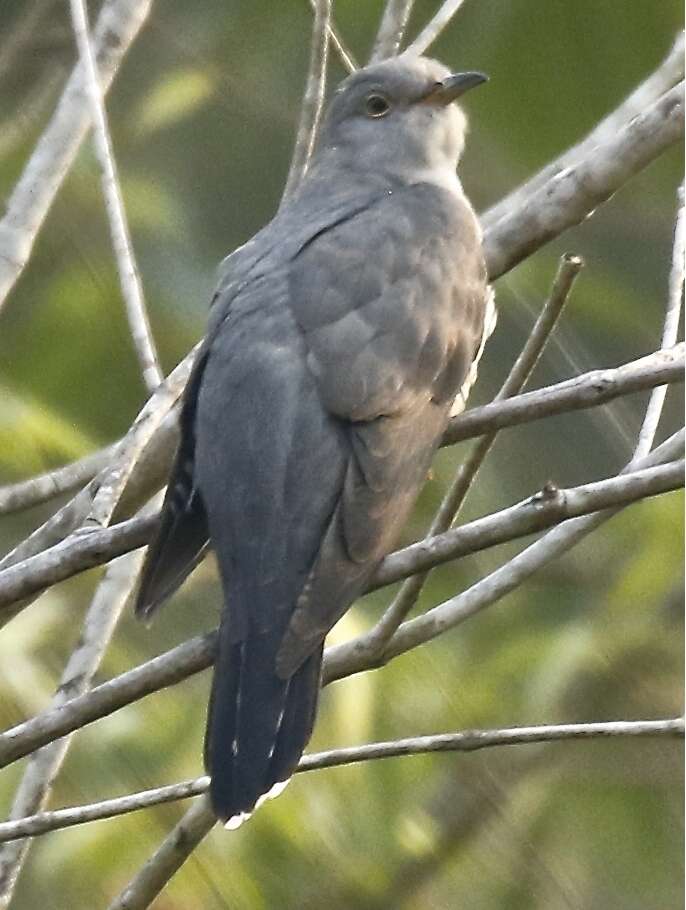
(202, 116)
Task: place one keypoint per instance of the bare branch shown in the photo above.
(29, 493)
(543, 510)
(118, 24)
(670, 330)
(665, 77)
(168, 858)
(343, 52)
(464, 741)
(43, 822)
(313, 99)
(44, 765)
(158, 673)
(534, 514)
(586, 391)
(570, 195)
(433, 29)
(83, 550)
(129, 276)
(392, 29)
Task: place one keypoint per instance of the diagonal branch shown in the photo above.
(139, 470)
(313, 99)
(343, 52)
(433, 29)
(392, 28)
(36, 490)
(129, 276)
(98, 627)
(568, 271)
(588, 390)
(566, 198)
(168, 858)
(169, 668)
(670, 331)
(545, 509)
(118, 24)
(665, 77)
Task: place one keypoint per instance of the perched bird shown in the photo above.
(339, 340)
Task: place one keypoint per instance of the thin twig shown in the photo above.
(43, 822)
(313, 99)
(540, 511)
(343, 52)
(118, 24)
(129, 275)
(463, 741)
(667, 75)
(433, 29)
(391, 29)
(670, 331)
(168, 858)
(26, 494)
(44, 765)
(409, 592)
(570, 195)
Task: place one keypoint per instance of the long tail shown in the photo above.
(258, 724)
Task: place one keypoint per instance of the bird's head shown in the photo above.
(399, 117)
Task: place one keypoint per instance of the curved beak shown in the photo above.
(455, 86)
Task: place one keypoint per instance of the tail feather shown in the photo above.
(258, 723)
(298, 718)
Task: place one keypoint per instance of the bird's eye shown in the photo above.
(377, 105)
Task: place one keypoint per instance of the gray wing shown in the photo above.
(182, 538)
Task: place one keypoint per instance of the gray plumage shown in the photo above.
(339, 339)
